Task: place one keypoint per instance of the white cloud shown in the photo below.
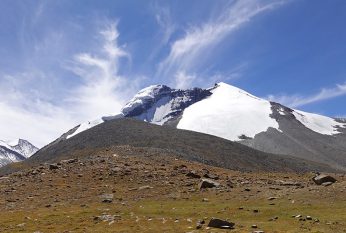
(29, 112)
(299, 100)
(187, 52)
(103, 89)
(33, 119)
(183, 80)
(164, 20)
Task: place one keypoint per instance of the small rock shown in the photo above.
(308, 217)
(107, 218)
(247, 190)
(254, 226)
(145, 187)
(326, 183)
(271, 198)
(69, 161)
(193, 174)
(53, 166)
(211, 176)
(201, 222)
(219, 223)
(274, 218)
(106, 198)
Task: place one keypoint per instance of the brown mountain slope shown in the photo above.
(164, 140)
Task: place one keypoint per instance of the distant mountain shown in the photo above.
(234, 114)
(15, 151)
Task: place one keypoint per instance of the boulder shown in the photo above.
(207, 183)
(322, 178)
(219, 223)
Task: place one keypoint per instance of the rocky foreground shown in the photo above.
(114, 192)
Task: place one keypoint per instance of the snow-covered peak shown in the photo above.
(229, 113)
(15, 150)
(14, 142)
(150, 92)
(20, 146)
(143, 98)
(159, 104)
(222, 110)
(235, 91)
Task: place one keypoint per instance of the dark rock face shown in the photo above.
(161, 95)
(323, 179)
(158, 92)
(219, 223)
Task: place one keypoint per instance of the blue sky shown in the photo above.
(65, 62)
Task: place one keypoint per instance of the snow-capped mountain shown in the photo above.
(234, 114)
(159, 104)
(15, 151)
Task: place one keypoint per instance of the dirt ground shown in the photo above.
(114, 193)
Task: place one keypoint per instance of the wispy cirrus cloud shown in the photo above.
(183, 80)
(103, 90)
(164, 20)
(99, 90)
(300, 100)
(188, 52)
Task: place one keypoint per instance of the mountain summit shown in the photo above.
(234, 114)
(16, 150)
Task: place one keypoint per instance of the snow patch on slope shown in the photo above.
(84, 126)
(229, 113)
(318, 123)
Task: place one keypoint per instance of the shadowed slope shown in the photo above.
(166, 141)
